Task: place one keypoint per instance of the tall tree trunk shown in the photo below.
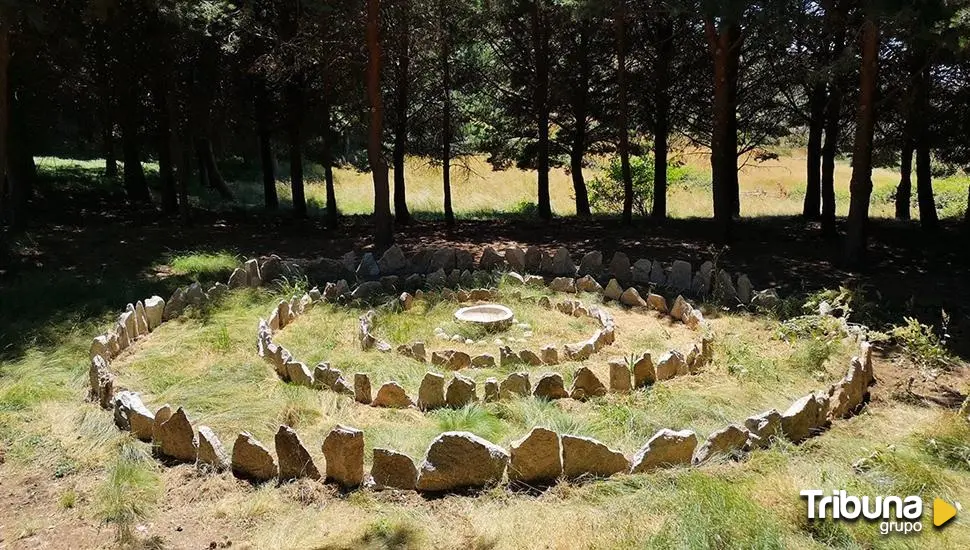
(209, 173)
(830, 148)
(332, 213)
(108, 148)
(166, 169)
(446, 136)
(7, 212)
(294, 134)
(662, 101)
(816, 124)
(383, 225)
(136, 186)
(726, 48)
(928, 218)
(580, 108)
(860, 187)
(623, 114)
(401, 213)
(264, 132)
(540, 48)
(904, 191)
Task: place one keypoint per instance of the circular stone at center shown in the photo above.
(491, 316)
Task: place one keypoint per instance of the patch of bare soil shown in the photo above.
(899, 379)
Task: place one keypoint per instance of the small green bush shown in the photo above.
(921, 343)
(606, 193)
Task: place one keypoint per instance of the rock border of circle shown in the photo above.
(454, 460)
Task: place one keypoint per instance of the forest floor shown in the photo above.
(68, 479)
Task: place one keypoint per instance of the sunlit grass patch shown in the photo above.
(204, 265)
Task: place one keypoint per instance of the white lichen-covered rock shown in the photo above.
(252, 460)
(154, 311)
(805, 417)
(130, 414)
(729, 442)
(587, 457)
(665, 449)
(211, 452)
(392, 396)
(295, 461)
(393, 470)
(175, 438)
(461, 460)
(763, 427)
(536, 458)
(343, 452)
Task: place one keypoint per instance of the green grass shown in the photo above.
(204, 265)
(130, 492)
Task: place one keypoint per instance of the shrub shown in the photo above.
(606, 192)
(921, 343)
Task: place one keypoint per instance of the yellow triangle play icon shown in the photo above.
(943, 512)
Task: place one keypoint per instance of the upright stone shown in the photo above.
(491, 390)
(368, 268)
(460, 392)
(613, 290)
(431, 394)
(176, 439)
(562, 264)
(657, 274)
(671, 364)
(586, 385)
(295, 459)
(460, 460)
(393, 470)
(343, 452)
(392, 262)
(239, 278)
(536, 458)
(588, 284)
(362, 389)
(725, 288)
(666, 448)
(745, 289)
(154, 309)
(587, 457)
(549, 355)
(515, 258)
(253, 276)
(534, 259)
(252, 460)
(141, 319)
(132, 415)
(805, 417)
(491, 260)
(591, 263)
(631, 298)
(641, 272)
(680, 276)
(550, 386)
(391, 395)
(644, 373)
(211, 452)
(620, 266)
(729, 442)
(515, 384)
(619, 376)
(444, 259)
(763, 427)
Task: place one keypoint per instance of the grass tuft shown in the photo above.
(131, 491)
(204, 265)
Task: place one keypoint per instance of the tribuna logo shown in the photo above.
(895, 514)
